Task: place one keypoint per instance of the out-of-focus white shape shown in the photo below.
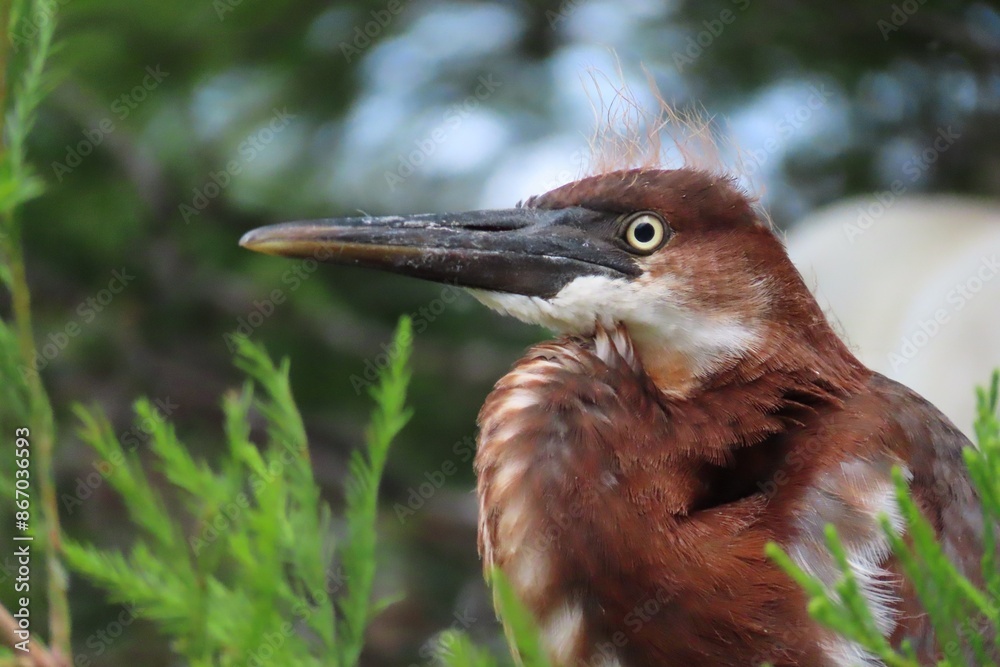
(532, 169)
(222, 102)
(913, 285)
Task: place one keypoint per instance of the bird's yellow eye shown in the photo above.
(645, 232)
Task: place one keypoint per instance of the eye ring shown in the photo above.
(645, 232)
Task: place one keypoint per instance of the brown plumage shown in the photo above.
(697, 406)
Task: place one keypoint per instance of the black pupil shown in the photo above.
(644, 232)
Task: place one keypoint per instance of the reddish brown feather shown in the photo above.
(634, 493)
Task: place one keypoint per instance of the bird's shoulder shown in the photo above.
(888, 425)
(931, 447)
(885, 425)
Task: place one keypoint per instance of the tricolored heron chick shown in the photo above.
(696, 405)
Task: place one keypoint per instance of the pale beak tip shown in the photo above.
(264, 240)
(250, 239)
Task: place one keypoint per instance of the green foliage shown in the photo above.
(358, 552)
(29, 86)
(966, 619)
(24, 403)
(248, 566)
(248, 569)
(463, 653)
(23, 84)
(519, 626)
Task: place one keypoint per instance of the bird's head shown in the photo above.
(679, 257)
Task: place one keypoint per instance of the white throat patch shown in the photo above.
(650, 309)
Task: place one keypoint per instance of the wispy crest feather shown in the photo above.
(634, 132)
(630, 135)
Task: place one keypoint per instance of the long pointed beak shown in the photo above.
(527, 251)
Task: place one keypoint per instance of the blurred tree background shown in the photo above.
(176, 126)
